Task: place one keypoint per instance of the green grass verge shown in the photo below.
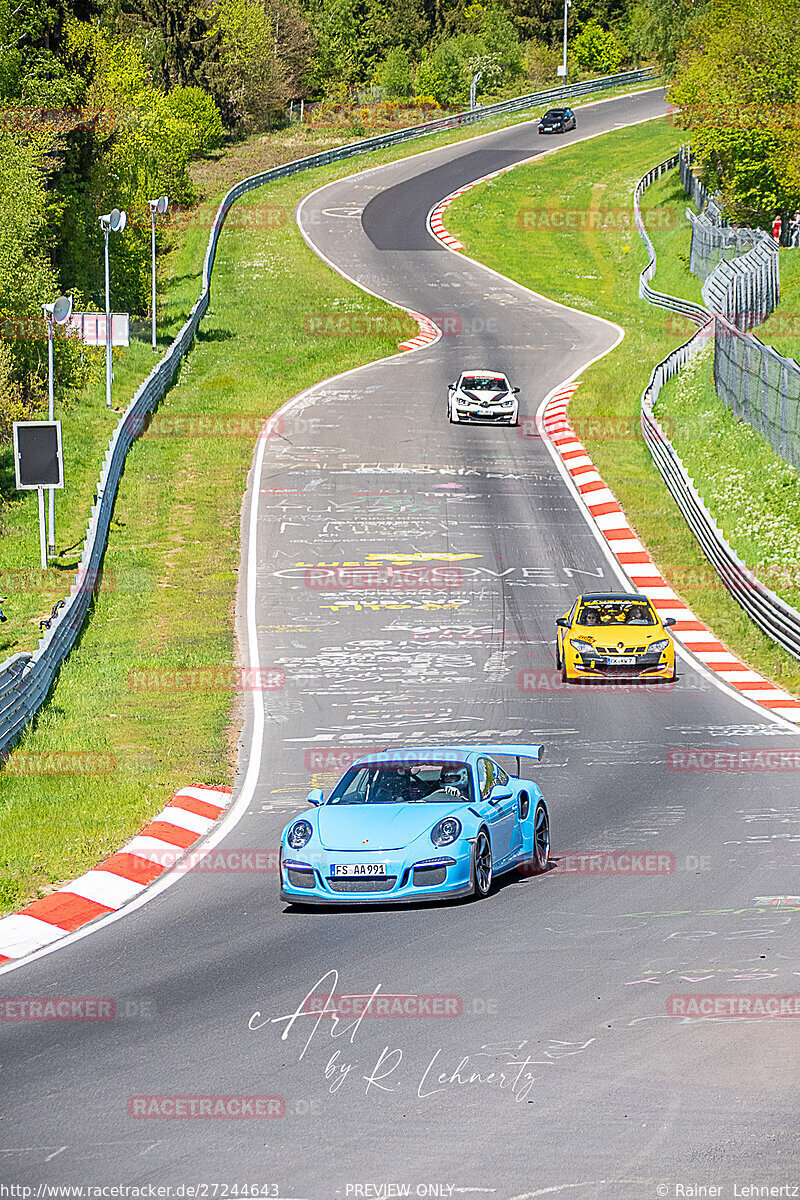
(664, 207)
(782, 328)
(87, 426)
(725, 457)
(594, 265)
(166, 605)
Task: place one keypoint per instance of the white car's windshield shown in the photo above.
(410, 783)
(484, 383)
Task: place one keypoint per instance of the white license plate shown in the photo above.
(620, 661)
(350, 870)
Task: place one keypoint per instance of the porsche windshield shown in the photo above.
(407, 783)
(483, 383)
(616, 612)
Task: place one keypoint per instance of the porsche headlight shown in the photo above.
(658, 647)
(446, 831)
(581, 647)
(299, 835)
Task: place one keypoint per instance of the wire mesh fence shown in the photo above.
(748, 289)
(713, 240)
(760, 386)
(713, 244)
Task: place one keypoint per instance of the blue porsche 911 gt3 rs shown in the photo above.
(410, 825)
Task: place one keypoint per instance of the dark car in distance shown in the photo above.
(557, 120)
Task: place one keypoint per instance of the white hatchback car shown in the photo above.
(483, 396)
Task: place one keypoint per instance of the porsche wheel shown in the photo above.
(482, 868)
(541, 840)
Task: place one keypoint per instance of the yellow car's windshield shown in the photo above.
(615, 612)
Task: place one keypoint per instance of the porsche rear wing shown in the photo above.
(534, 752)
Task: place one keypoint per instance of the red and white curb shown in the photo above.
(645, 576)
(435, 223)
(186, 818)
(428, 333)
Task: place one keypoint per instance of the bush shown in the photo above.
(394, 74)
(442, 73)
(598, 49)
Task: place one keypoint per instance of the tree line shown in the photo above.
(737, 86)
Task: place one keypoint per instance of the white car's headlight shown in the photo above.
(299, 835)
(581, 647)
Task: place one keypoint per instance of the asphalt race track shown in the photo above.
(557, 987)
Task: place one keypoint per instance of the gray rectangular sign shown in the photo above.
(38, 461)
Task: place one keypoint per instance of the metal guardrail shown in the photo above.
(777, 619)
(686, 308)
(704, 202)
(26, 679)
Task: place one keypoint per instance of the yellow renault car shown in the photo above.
(608, 635)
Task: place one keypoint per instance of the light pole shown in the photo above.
(114, 221)
(156, 206)
(562, 70)
(473, 91)
(57, 313)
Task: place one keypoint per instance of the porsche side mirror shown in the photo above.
(515, 390)
(563, 622)
(315, 796)
(669, 621)
(451, 387)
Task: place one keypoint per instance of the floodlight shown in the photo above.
(62, 309)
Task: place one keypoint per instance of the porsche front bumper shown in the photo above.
(308, 878)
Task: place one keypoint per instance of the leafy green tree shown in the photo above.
(263, 52)
(443, 73)
(655, 29)
(27, 280)
(597, 49)
(352, 39)
(498, 34)
(394, 74)
(737, 86)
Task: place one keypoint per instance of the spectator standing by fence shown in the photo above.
(776, 228)
(794, 229)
